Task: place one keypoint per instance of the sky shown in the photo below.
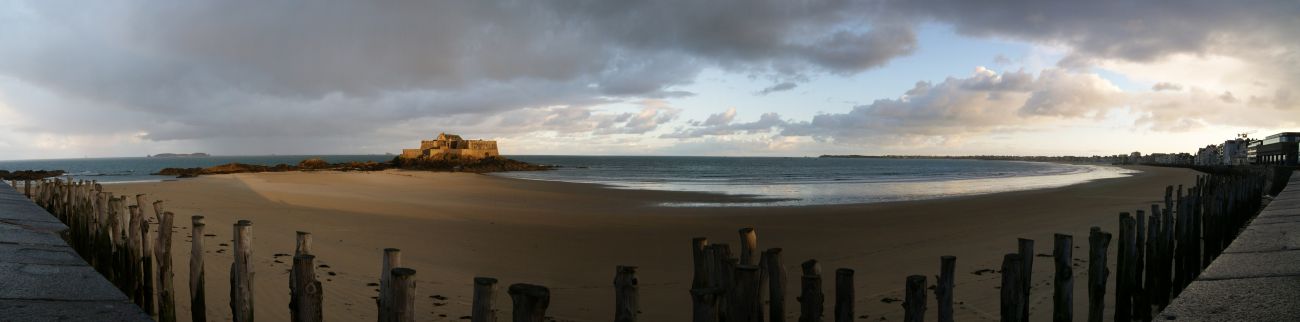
(669, 77)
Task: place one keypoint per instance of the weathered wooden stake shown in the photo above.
(530, 302)
(163, 255)
(748, 246)
(811, 300)
(914, 299)
(844, 295)
(484, 305)
(306, 302)
(1098, 241)
(302, 245)
(198, 298)
(1026, 251)
(626, 300)
(1141, 303)
(403, 294)
(776, 285)
(1012, 298)
(744, 304)
(392, 259)
(1126, 264)
(241, 273)
(700, 279)
(1063, 297)
(704, 305)
(943, 291)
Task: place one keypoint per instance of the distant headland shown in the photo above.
(179, 155)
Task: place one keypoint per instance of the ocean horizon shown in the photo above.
(761, 181)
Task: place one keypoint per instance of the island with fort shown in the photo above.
(446, 152)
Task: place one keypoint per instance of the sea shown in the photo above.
(757, 181)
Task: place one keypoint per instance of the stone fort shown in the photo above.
(451, 146)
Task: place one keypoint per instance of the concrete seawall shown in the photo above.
(42, 278)
(1258, 276)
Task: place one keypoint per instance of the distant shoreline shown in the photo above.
(179, 155)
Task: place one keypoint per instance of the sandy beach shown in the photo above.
(452, 227)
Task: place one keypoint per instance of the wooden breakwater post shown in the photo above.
(844, 295)
(392, 258)
(914, 299)
(776, 284)
(403, 295)
(134, 287)
(1098, 241)
(1063, 282)
(306, 300)
(198, 298)
(483, 307)
(704, 297)
(1141, 301)
(626, 300)
(163, 255)
(148, 289)
(1025, 247)
(302, 243)
(241, 273)
(530, 302)
(748, 246)
(1125, 265)
(810, 298)
(1012, 299)
(943, 291)
(745, 302)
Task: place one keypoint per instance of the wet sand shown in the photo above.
(452, 227)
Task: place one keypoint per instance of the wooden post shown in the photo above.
(744, 304)
(241, 274)
(1126, 264)
(306, 302)
(146, 258)
(133, 283)
(302, 244)
(844, 295)
(626, 300)
(530, 302)
(163, 255)
(1098, 241)
(704, 305)
(198, 298)
(1026, 251)
(748, 246)
(1141, 303)
(27, 188)
(403, 286)
(943, 291)
(1012, 300)
(811, 300)
(776, 285)
(1063, 297)
(484, 305)
(392, 259)
(700, 279)
(914, 299)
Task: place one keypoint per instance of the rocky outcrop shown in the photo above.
(29, 174)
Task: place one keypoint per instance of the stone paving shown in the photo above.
(42, 278)
(1258, 277)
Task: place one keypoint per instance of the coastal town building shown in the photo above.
(1281, 148)
(452, 147)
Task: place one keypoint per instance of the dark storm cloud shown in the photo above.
(205, 69)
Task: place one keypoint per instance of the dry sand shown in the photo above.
(452, 227)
